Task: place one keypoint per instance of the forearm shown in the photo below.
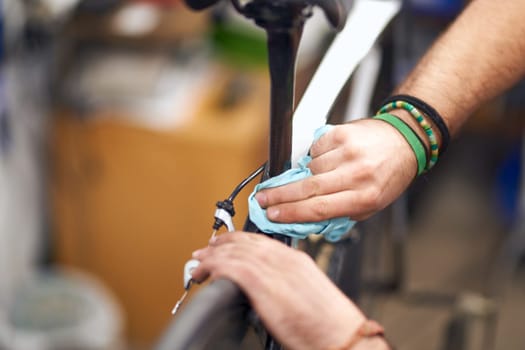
(478, 57)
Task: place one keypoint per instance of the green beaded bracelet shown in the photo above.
(410, 136)
(434, 148)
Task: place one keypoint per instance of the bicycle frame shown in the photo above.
(222, 304)
(219, 315)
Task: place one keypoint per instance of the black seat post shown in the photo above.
(283, 22)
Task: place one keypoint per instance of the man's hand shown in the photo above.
(359, 168)
(294, 298)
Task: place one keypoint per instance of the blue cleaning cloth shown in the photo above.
(332, 229)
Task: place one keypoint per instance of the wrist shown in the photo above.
(426, 115)
(410, 121)
(346, 322)
(453, 109)
(412, 139)
(429, 121)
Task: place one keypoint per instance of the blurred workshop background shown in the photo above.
(123, 122)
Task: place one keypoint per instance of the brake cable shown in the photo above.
(223, 217)
(225, 209)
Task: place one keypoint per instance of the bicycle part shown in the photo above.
(364, 84)
(246, 181)
(336, 68)
(283, 22)
(334, 10)
(340, 261)
(181, 300)
(200, 4)
(472, 324)
(217, 318)
(223, 216)
(190, 265)
(225, 209)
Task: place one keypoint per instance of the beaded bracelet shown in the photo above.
(434, 148)
(430, 112)
(410, 136)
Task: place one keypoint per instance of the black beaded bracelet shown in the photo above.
(428, 111)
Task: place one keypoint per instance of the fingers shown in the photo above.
(326, 157)
(326, 162)
(350, 176)
(329, 141)
(242, 258)
(354, 175)
(282, 287)
(316, 185)
(216, 262)
(239, 236)
(325, 207)
(226, 250)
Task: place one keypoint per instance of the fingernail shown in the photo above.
(261, 198)
(272, 213)
(196, 253)
(213, 239)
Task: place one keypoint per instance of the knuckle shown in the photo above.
(320, 208)
(311, 187)
(348, 151)
(339, 135)
(373, 197)
(321, 143)
(317, 146)
(315, 165)
(369, 168)
(366, 171)
(271, 195)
